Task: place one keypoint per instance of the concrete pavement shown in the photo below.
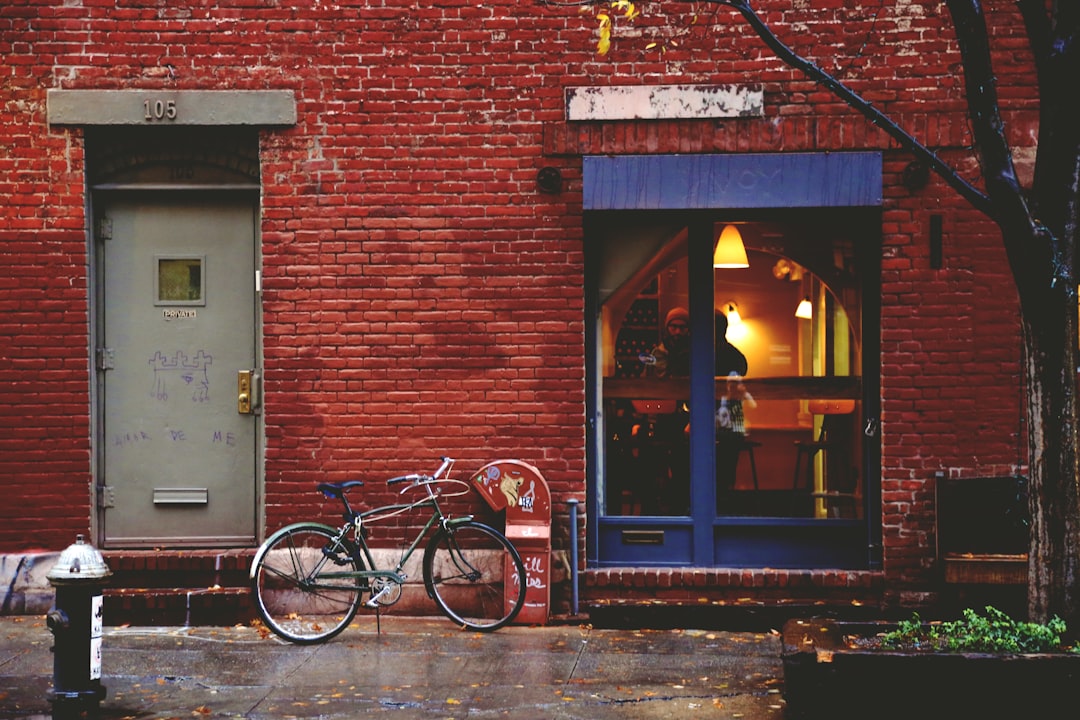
(414, 668)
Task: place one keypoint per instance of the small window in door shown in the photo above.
(179, 281)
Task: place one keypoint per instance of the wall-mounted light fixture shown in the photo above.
(805, 311)
(730, 251)
(732, 312)
(737, 328)
(549, 180)
(915, 175)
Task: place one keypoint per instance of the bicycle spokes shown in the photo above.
(295, 597)
(475, 576)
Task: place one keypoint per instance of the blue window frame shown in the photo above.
(675, 480)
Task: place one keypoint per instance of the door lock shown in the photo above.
(247, 392)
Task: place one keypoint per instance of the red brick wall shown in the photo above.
(44, 367)
(420, 295)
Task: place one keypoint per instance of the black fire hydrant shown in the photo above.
(76, 624)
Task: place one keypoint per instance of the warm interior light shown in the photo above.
(730, 251)
(737, 329)
(805, 311)
(733, 317)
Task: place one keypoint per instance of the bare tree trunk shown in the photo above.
(1054, 491)
(1041, 257)
(1049, 302)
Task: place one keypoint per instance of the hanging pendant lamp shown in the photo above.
(730, 251)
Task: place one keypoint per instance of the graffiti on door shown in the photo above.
(191, 375)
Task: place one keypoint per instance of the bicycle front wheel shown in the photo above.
(475, 576)
(302, 585)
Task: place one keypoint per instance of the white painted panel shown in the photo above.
(657, 102)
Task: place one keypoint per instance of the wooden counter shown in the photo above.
(771, 388)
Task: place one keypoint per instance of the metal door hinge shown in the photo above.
(104, 228)
(106, 358)
(106, 496)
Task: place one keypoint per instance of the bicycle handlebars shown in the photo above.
(411, 477)
(417, 478)
(337, 490)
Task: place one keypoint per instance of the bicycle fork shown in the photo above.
(466, 569)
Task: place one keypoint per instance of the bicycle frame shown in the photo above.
(358, 546)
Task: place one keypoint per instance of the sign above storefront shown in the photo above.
(664, 102)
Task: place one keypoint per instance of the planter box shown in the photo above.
(825, 678)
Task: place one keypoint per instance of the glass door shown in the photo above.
(731, 398)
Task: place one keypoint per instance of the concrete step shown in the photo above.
(181, 606)
(179, 568)
(178, 587)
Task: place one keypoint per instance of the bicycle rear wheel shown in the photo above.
(475, 576)
(292, 594)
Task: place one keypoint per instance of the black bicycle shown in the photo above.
(310, 579)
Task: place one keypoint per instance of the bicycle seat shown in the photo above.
(336, 490)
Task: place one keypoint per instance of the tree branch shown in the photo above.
(995, 156)
(972, 194)
(1037, 25)
(1029, 260)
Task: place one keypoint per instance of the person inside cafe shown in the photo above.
(731, 366)
(670, 359)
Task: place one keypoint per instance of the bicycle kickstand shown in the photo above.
(375, 605)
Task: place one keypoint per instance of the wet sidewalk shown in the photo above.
(414, 668)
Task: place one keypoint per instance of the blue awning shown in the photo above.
(758, 180)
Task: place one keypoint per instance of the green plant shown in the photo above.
(994, 632)
(911, 635)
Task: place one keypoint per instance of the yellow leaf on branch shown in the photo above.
(604, 44)
(624, 9)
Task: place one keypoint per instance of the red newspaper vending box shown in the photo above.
(519, 488)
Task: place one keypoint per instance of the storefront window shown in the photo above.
(786, 405)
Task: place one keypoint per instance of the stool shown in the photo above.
(747, 447)
(833, 412)
(736, 445)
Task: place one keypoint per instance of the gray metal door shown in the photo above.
(178, 434)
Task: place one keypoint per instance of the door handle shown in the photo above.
(247, 392)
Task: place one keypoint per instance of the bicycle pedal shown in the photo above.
(374, 601)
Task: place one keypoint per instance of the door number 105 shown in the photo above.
(156, 110)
